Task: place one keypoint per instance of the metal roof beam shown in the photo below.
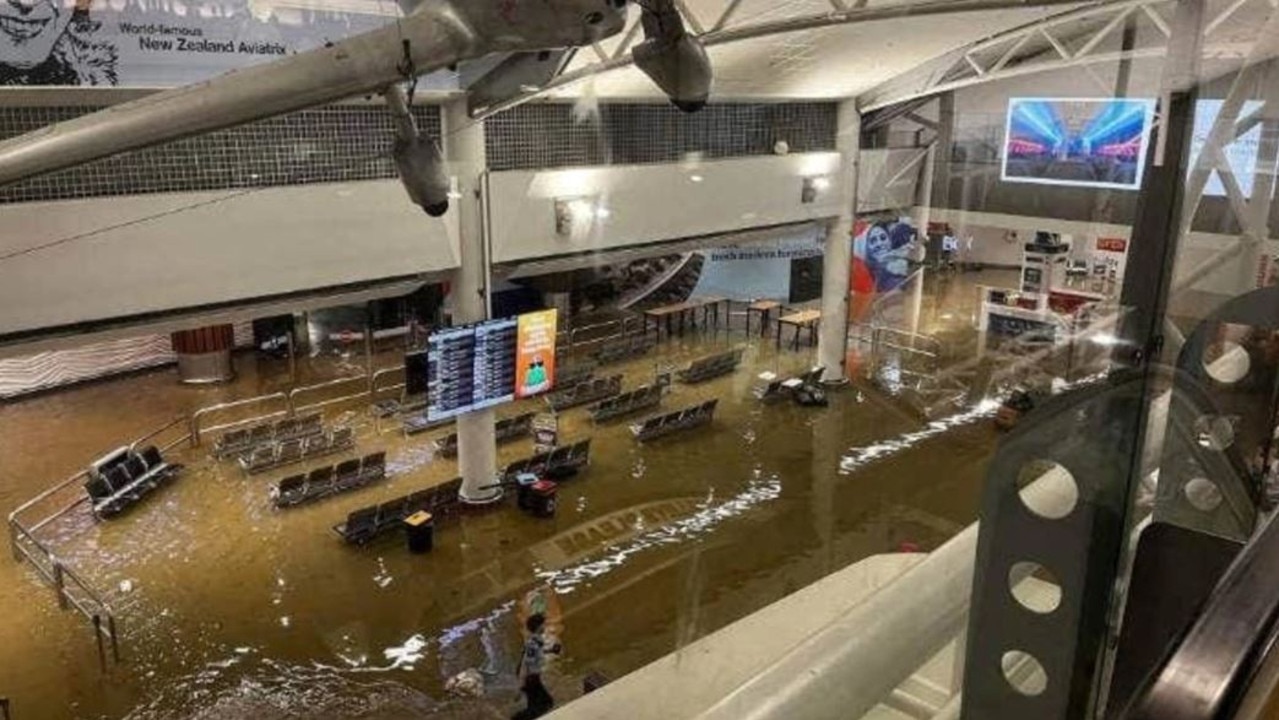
(859, 12)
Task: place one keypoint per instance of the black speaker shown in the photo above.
(416, 367)
(805, 279)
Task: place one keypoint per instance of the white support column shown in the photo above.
(465, 155)
(923, 216)
(832, 341)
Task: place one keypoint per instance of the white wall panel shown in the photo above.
(81, 260)
(651, 203)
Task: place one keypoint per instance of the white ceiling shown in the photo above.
(830, 62)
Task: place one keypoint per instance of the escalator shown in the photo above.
(1223, 664)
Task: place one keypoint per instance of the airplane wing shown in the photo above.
(438, 34)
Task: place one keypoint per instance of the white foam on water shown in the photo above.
(407, 655)
(568, 579)
(863, 456)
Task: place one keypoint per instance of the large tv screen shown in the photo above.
(1082, 142)
(480, 366)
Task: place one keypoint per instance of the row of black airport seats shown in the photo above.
(121, 479)
(584, 393)
(330, 480)
(642, 398)
(623, 349)
(418, 423)
(366, 524)
(505, 430)
(269, 457)
(775, 389)
(568, 376)
(711, 367)
(236, 443)
(558, 463)
(677, 421)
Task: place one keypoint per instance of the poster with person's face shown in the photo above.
(167, 43)
(881, 252)
(535, 353)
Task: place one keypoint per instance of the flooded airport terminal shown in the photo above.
(639, 359)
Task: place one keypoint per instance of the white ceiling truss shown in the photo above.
(791, 18)
(1257, 80)
(1082, 35)
(1075, 39)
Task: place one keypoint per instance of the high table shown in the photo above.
(804, 319)
(765, 308)
(707, 305)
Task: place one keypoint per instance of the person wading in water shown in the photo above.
(539, 699)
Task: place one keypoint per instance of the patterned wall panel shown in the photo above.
(340, 143)
(335, 143)
(550, 135)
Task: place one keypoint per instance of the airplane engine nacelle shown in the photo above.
(673, 59)
(421, 169)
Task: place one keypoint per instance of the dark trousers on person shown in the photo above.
(540, 701)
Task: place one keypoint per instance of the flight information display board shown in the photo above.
(484, 365)
(471, 368)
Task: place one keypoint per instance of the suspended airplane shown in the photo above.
(433, 34)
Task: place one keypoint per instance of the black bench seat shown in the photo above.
(121, 479)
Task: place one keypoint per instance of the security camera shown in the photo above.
(417, 158)
(672, 58)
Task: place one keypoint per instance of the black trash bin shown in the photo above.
(419, 528)
(542, 500)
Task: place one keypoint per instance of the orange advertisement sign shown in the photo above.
(535, 353)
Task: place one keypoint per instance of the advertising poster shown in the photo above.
(749, 272)
(881, 252)
(167, 43)
(535, 353)
(1073, 141)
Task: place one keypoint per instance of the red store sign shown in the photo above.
(1118, 245)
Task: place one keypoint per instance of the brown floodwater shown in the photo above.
(230, 609)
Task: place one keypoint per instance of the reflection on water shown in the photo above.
(231, 609)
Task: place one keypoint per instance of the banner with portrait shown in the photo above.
(881, 261)
(167, 43)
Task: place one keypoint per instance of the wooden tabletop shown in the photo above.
(805, 317)
(691, 304)
(765, 305)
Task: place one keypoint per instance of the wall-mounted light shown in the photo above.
(577, 215)
(813, 188)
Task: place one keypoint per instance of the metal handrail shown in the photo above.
(912, 337)
(296, 392)
(198, 415)
(13, 516)
(72, 591)
(154, 434)
(56, 573)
